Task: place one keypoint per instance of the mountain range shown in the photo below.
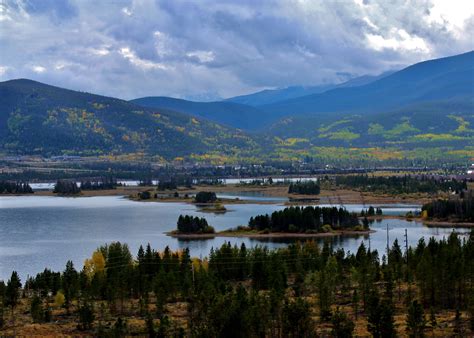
(428, 105)
(270, 96)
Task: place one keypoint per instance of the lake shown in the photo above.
(42, 231)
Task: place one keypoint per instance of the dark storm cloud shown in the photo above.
(221, 48)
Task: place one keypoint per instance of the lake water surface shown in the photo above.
(40, 231)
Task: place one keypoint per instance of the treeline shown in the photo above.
(173, 183)
(193, 225)
(460, 208)
(166, 183)
(371, 211)
(401, 184)
(11, 187)
(304, 188)
(66, 187)
(104, 183)
(303, 290)
(305, 219)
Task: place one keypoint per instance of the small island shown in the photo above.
(290, 222)
(190, 226)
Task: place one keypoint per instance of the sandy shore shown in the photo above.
(446, 224)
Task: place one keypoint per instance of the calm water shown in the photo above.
(38, 231)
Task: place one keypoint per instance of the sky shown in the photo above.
(209, 49)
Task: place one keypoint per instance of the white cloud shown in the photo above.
(398, 40)
(38, 69)
(3, 70)
(130, 55)
(99, 51)
(203, 56)
(127, 11)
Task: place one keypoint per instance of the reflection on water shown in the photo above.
(39, 231)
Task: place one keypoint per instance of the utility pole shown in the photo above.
(192, 269)
(388, 241)
(406, 244)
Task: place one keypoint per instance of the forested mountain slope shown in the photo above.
(36, 118)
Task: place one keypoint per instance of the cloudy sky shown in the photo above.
(206, 49)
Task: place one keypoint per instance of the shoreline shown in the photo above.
(447, 224)
(327, 196)
(249, 234)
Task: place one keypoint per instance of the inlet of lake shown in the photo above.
(39, 231)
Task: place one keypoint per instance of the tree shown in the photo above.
(36, 309)
(150, 326)
(86, 316)
(342, 326)
(380, 317)
(416, 320)
(70, 283)
(12, 292)
(59, 299)
(296, 319)
(66, 187)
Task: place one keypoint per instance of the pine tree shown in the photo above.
(12, 292)
(343, 327)
(415, 320)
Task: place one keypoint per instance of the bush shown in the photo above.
(144, 195)
(326, 228)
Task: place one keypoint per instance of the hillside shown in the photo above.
(422, 125)
(228, 113)
(434, 80)
(37, 118)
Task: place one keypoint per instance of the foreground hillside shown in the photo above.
(303, 290)
(36, 118)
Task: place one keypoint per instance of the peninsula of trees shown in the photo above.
(455, 209)
(305, 219)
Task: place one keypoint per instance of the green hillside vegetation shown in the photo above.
(432, 124)
(42, 119)
(45, 120)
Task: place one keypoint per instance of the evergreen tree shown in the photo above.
(12, 292)
(70, 284)
(343, 327)
(415, 320)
